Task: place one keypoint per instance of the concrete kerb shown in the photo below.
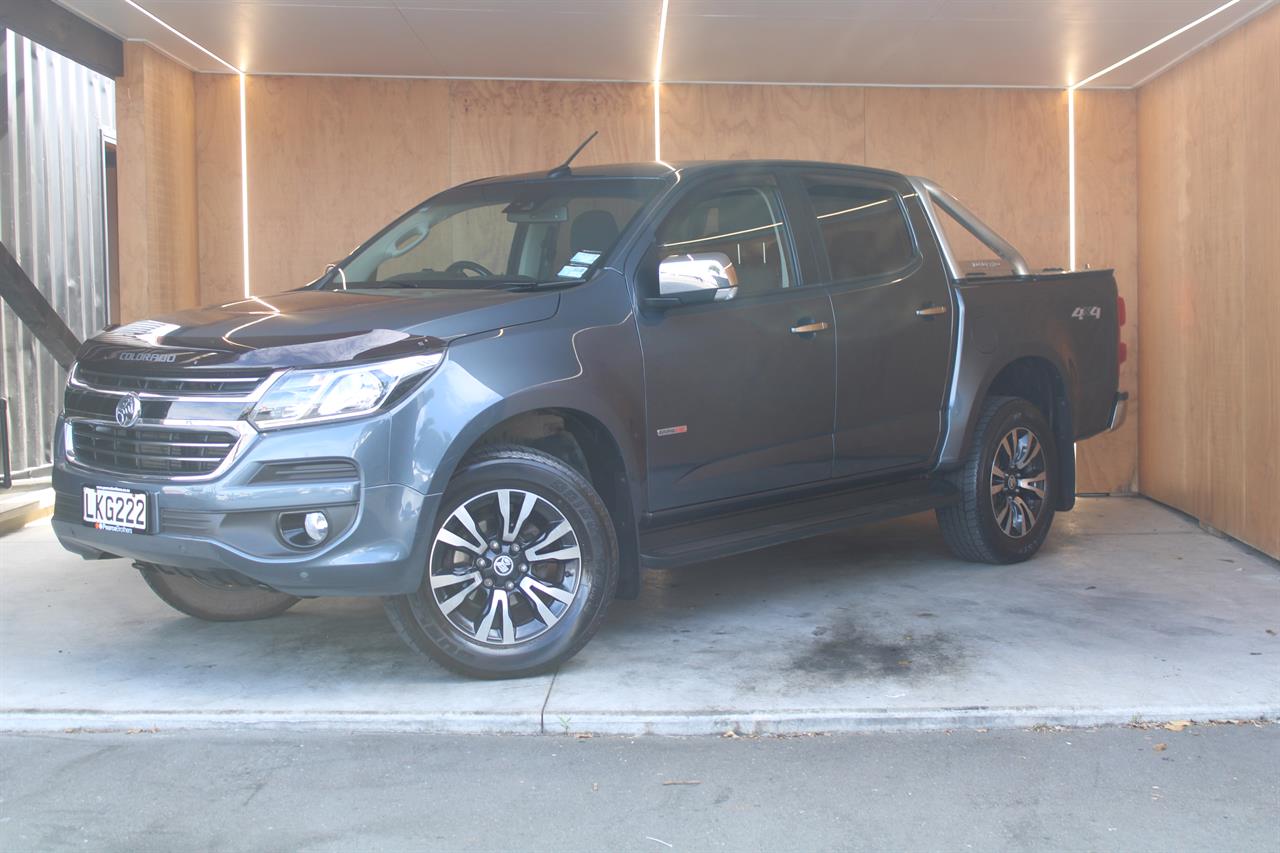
(741, 723)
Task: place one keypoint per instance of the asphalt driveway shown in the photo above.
(1114, 789)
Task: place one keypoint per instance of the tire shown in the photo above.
(1009, 525)
(214, 602)
(489, 612)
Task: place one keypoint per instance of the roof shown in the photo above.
(661, 168)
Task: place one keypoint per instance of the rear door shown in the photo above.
(894, 318)
(738, 402)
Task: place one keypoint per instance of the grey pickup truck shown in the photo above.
(500, 408)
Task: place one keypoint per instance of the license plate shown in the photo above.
(118, 510)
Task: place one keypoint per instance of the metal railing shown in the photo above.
(934, 197)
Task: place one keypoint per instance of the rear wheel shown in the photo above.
(1007, 486)
(213, 601)
(522, 565)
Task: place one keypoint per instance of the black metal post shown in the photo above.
(34, 310)
(6, 472)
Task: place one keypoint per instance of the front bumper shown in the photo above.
(377, 543)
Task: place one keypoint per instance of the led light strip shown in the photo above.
(657, 83)
(1071, 113)
(1071, 177)
(244, 136)
(244, 184)
(1173, 35)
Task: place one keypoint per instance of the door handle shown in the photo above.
(931, 311)
(809, 328)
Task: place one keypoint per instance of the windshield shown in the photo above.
(500, 235)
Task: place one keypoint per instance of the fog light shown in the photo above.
(316, 525)
(304, 529)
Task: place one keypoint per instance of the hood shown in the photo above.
(313, 327)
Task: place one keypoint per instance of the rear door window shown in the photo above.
(863, 229)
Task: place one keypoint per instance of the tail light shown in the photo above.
(1122, 349)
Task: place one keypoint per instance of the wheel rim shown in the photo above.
(1019, 473)
(505, 567)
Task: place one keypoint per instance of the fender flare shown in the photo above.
(628, 496)
(1061, 419)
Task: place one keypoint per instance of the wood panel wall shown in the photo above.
(155, 132)
(734, 122)
(221, 257)
(1107, 236)
(1209, 284)
(502, 127)
(1003, 152)
(332, 159)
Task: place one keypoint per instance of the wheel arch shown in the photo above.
(585, 443)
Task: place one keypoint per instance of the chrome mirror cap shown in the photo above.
(697, 278)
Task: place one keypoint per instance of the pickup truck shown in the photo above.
(501, 407)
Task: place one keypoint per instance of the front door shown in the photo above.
(739, 392)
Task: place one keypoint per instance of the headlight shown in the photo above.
(331, 394)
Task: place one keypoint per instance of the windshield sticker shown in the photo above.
(572, 271)
(584, 258)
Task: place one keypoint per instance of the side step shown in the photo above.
(749, 530)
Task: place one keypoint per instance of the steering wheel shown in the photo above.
(458, 267)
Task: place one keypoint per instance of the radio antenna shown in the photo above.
(563, 169)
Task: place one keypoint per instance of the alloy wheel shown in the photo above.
(1018, 482)
(505, 567)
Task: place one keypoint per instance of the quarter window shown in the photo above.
(744, 224)
(863, 229)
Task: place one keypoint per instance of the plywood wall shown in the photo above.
(155, 127)
(733, 122)
(1107, 236)
(1209, 284)
(221, 258)
(504, 127)
(1003, 152)
(332, 159)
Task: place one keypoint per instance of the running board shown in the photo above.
(725, 535)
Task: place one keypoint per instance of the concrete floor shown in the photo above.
(1130, 611)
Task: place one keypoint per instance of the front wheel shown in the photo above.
(522, 564)
(1007, 486)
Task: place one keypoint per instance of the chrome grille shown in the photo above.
(86, 404)
(187, 384)
(150, 450)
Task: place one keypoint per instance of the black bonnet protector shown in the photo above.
(312, 328)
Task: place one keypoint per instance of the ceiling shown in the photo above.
(868, 42)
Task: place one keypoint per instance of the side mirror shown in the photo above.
(693, 279)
